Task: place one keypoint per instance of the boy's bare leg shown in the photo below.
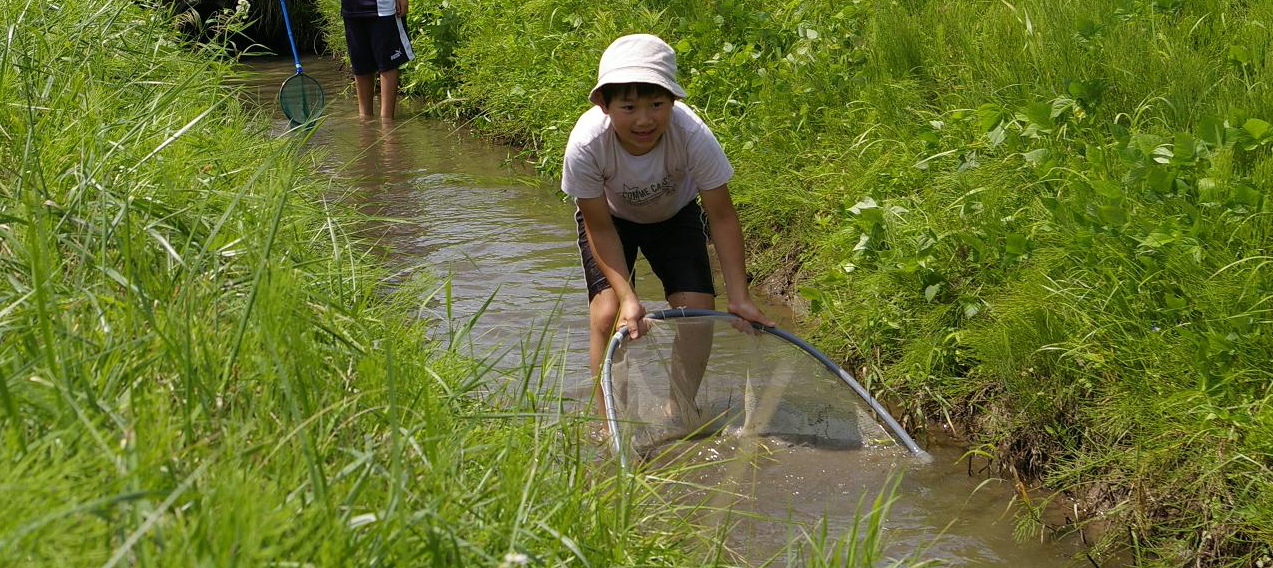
(690, 351)
(603, 310)
(365, 89)
(388, 93)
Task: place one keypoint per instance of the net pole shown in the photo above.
(287, 22)
(607, 393)
(670, 313)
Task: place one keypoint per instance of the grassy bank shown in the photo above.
(199, 367)
(1045, 224)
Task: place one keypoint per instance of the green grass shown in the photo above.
(1044, 223)
(199, 364)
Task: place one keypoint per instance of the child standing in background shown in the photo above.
(378, 44)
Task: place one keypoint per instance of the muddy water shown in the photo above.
(454, 205)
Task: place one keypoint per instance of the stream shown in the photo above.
(459, 206)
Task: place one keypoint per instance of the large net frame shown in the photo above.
(702, 373)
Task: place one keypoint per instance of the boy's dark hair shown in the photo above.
(610, 91)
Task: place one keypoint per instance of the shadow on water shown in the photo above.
(453, 205)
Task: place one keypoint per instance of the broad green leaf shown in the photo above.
(1015, 244)
(1247, 195)
(996, 136)
(1183, 148)
(1113, 215)
(1039, 113)
(971, 309)
(817, 300)
(975, 243)
(1160, 180)
(864, 243)
(1240, 54)
(1108, 188)
(1257, 128)
(869, 219)
(931, 291)
(989, 116)
(1036, 156)
(864, 204)
(1157, 240)
(1060, 105)
(1211, 131)
(810, 293)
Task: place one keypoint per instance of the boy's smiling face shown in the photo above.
(639, 120)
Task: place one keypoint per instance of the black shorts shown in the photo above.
(377, 44)
(676, 250)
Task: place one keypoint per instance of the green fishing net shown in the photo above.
(301, 98)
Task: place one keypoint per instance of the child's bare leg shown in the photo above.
(388, 93)
(690, 351)
(603, 310)
(365, 89)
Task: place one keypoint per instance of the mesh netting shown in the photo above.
(301, 98)
(694, 377)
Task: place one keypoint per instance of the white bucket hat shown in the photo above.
(637, 58)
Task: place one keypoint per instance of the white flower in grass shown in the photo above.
(514, 559)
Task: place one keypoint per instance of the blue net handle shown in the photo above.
(287, 22)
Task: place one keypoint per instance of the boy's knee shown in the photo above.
(603, 317)
(603, 311)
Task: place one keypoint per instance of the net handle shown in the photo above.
(607, 393)
(287, 22)
(607, 389)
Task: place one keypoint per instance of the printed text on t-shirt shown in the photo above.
(648, 194)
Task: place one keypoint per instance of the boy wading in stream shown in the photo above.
(378, 45)
(639, 163)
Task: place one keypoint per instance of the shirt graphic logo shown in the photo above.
(645, 195)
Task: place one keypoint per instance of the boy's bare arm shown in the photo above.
(727, 235)
(608, 252)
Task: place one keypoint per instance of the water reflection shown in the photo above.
(452, 203)
(380, 161)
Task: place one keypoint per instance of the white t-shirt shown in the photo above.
(651, 187)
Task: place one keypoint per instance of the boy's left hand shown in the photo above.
(402, 8)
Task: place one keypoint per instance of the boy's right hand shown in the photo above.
(748, 312)
(632, 315)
